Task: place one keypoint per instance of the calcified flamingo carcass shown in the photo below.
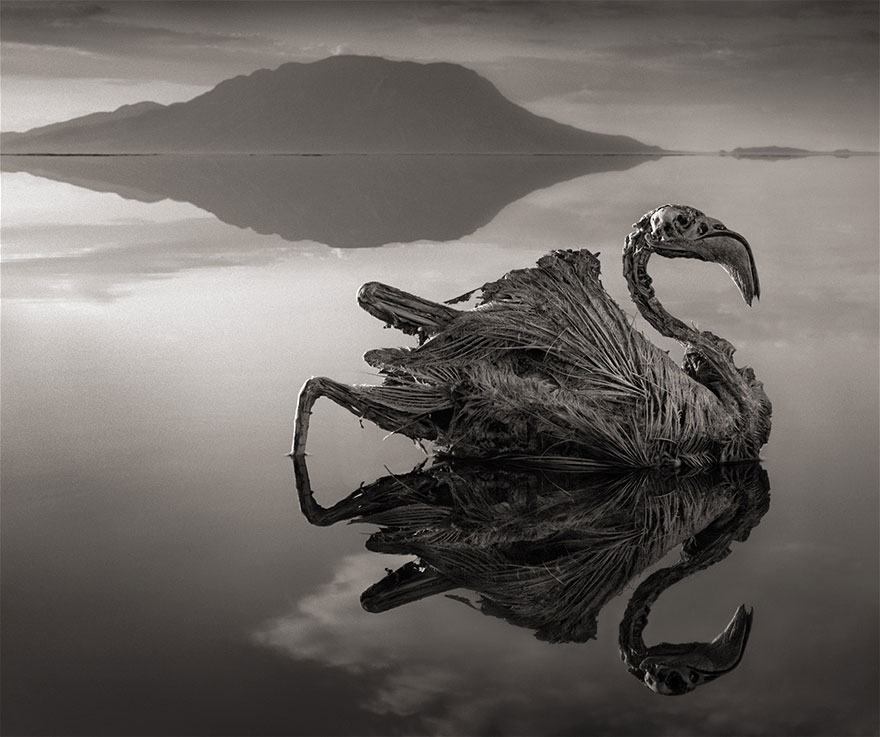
(547, 366)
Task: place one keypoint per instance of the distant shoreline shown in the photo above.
(642, 154)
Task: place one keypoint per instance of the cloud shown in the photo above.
(413, 659)
(92, 28)
(19, 15)
(100, 41)
(330, 627)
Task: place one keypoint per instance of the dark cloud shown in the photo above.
(813, 61)
(22, 15)
(110, 40)
(93, 27)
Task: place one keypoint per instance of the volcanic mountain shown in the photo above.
(342, 104)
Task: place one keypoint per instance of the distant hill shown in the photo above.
(45, 132)
(769, 151)
(356, 104)
(786, 152)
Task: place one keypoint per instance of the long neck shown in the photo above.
(641, 289)
(749, 486)
(732, 389)
(635, 618)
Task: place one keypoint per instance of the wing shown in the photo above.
(547, 353)
(555, 322)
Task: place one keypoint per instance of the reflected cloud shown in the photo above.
(99, 262)
(416, 666)
(329, 627)
(815, 238)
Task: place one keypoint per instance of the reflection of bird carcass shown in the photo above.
(547, 550)
(548, 365)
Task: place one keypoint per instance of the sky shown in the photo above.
(683, 75)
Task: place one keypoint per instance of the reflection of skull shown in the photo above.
(670, 681)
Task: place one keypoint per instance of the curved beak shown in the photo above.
(717, 244)
(733, 252)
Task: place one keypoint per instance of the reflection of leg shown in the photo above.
(313, 512)
(387, 494)
(413, 315)
(348, 508)
(406, 409)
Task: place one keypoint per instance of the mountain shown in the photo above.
(355, 104)
(81, 123)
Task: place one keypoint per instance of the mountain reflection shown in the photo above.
(546, 550)
(341, 201)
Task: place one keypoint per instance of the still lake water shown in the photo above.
(159, 317)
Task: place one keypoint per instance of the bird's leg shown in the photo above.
(413, 315)
(405, 409)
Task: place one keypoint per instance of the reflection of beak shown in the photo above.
(728, 648)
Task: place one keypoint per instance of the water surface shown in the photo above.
(158, 576)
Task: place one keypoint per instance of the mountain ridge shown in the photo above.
(341, 104)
